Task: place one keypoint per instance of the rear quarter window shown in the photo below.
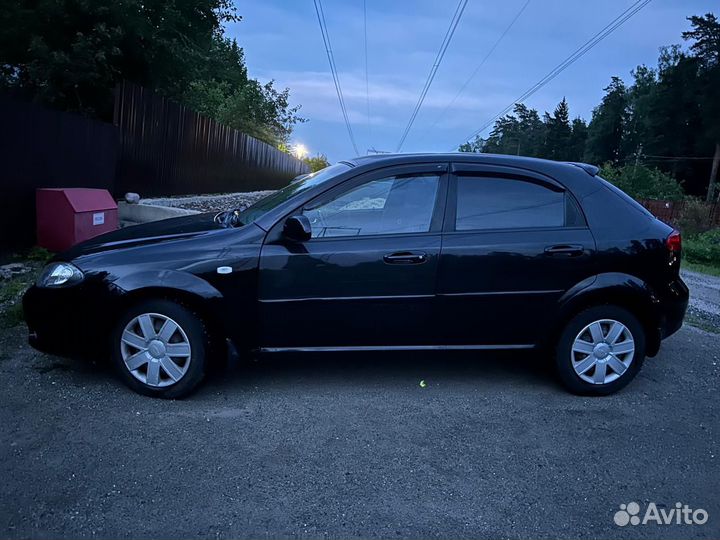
(627, 198)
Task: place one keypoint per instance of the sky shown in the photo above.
(282, 42)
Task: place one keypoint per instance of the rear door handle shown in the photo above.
(569, 250)
(406, 257)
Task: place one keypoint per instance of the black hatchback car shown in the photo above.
(395, 252)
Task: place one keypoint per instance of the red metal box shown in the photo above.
(67, 216)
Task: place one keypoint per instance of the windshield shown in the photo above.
(260, 208)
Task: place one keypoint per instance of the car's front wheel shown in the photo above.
(600, 350)
(159, 348)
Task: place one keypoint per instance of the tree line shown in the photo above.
(658, 131)
(69, 54)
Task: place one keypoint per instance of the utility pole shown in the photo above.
(713, 174)
(638, 154)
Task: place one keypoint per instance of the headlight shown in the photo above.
(59, 274)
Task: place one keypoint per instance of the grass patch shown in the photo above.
(11, 290)
(702, 268)
(12, 316)
(697, 321)
(703, 248)
(36, 254)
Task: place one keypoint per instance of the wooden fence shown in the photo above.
(167, 149)
(672, 211)
(156, 147)
(45, 148)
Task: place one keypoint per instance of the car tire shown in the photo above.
(600, 350)
(159, 348)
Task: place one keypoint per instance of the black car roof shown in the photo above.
(575, 177)
(467, 157)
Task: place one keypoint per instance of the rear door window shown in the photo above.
(486, 202)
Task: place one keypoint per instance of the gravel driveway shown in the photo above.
(704, 308)
(211, 203)
(316, 446)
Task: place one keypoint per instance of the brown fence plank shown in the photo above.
(167, 149)
(157, 147)
(671, 211)
(44, 148)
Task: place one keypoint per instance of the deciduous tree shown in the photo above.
(69, 54)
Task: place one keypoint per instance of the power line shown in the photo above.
(576, 55)
(433, 70)
(333, 69)
(480, 65)
(367, 84)
(676, 158)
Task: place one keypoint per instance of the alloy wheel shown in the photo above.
(155, 349)
(603, 351)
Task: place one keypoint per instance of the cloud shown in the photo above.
(391, 102)
(282, 42)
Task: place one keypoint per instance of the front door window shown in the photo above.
(392, 205)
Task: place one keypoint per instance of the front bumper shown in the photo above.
(72, 321)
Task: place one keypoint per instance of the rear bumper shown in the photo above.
(674, 308)
(671, 313)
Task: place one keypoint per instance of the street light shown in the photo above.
(300, 151)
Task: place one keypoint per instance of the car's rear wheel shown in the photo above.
(159, 348)
(600, 350)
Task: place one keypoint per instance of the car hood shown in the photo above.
(146, 233)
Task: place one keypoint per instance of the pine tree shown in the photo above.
(706, 37)
(578, 140)
(531, 131)
(558, 133)
(607, 127)
(706, 49)
(640, 112)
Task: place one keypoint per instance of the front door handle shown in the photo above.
(406, 257)
(569, 250)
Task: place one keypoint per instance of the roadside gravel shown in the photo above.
(704, 308)
(211, 203)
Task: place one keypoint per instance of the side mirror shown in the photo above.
(297, 228)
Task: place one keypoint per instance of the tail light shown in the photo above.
(674, 242)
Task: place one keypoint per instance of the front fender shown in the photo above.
(167, 279)
(188, 289)
(219, 308)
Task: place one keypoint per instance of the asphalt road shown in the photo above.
(351, 446)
